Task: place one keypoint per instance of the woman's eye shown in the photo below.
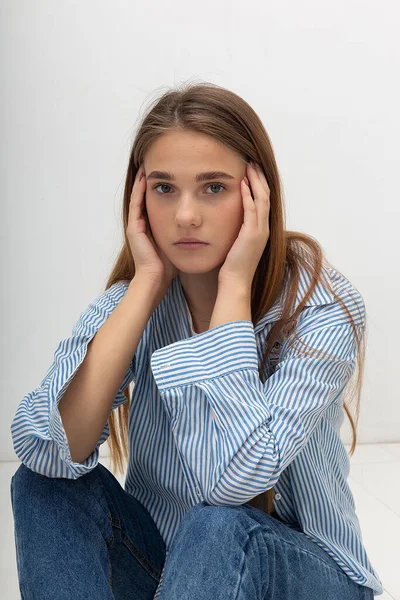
(164, 185)
(216, 185)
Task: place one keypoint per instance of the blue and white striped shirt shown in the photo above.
(203, 426)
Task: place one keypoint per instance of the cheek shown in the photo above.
(227, 231)
(156, 209)
(232, 219)
(152, 212)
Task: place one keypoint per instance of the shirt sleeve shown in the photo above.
(234, 434)
(37, 431)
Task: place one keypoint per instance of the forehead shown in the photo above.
(190, 152)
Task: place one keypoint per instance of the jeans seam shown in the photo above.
(254, 532)
(117, 523)
(278, 538)
(144, 561)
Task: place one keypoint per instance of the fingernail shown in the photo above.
(140, 178)
(253, 164)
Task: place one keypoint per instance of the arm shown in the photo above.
(87, 403)
(234, 433)
(40, 440)
(233, 304)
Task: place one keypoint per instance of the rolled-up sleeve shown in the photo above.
(37, 431)
(235, 435)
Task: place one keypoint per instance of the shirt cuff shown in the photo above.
(57, 432)
(213, 353)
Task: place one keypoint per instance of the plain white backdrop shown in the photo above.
(78, 76)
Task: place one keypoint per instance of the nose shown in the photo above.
(187, 212)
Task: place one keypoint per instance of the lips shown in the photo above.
(190, 241)
(191, 245)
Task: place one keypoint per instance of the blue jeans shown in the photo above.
(89, 539)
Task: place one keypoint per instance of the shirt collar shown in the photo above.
(319, 297)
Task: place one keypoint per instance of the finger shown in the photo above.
(250, 217)
(261, 204)
(254, 181)
(246, 193)
(258, 177)
(138, 182)
(261, 195)
(137, 195)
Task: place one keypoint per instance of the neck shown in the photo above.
(200, 293)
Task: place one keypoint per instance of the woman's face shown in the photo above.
(210, 210)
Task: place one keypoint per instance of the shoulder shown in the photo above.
(324, 306)
(117, 291)
(100, 307)
(333, 296)
(112, 295)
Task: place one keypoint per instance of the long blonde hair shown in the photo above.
(210, 109)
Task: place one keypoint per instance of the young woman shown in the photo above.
(241, 348)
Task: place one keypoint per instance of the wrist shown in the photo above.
(154, 290)
(234, 287)
(233, 304)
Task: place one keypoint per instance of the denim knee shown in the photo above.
(24, 476)
(210, 517)
(26, 482)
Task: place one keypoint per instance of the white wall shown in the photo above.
(76, 78)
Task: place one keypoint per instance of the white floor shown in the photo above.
(374, 480)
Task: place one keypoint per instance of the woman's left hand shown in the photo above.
(242, 259)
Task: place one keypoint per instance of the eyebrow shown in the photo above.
(205, 176)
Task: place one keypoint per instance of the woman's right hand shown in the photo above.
(150, 261)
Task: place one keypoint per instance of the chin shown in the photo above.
(194, 270)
